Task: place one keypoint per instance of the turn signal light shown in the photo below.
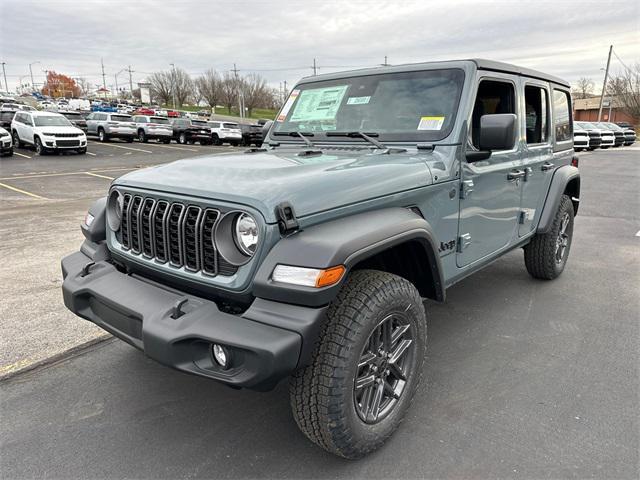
(308, 277)
(330, 276)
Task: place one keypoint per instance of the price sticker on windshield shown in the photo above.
(431, 123)
(287, 106)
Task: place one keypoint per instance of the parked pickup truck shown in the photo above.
(310, 258)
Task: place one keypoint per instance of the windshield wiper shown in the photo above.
(302, 135)
(368, 137)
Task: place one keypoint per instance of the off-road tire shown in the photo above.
(322, 394)
(540, 254)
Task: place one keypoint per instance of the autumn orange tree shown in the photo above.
(59, 85)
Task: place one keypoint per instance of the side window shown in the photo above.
(562, 116)
(493, 97)
(537, 114)
(215, 125)
(89, 117)
(28, 120)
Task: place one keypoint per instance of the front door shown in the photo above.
(537, 160)
(490, 189)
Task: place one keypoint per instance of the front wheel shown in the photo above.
(142, 137)
(16, 140)
(40, 150)
(366, 365)
(546, 255)
(102, 136)
(82, 151)
(182, 139)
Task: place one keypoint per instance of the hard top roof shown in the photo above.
(481, 64)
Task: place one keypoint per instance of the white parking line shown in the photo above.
(92, 154)
(126, 148)
(177, 148)
(24, 192)
(638, 234)
(21, 155)
(62, 174)
(99, 176)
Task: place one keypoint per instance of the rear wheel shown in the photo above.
(366, 365)
(182, 139)
(166, 140)
(546, 255)
(142, 137)
(216, 140)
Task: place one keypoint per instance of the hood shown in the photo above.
(263, 180)
(60, 129)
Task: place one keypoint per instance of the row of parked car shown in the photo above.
(47, 131)
(592, 135)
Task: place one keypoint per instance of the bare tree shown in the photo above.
(209, 87)
(584, 87)
(161, 83)
(229, 91)
(255, 92)
(84, 86)
(182, 85)
(626, 89)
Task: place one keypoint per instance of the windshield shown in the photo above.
(200, 123)
(402, 106)
(51, 121)
(230, 125)
(73, 116)
(160, 120)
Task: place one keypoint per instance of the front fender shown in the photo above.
(562, 177)
(345, 241)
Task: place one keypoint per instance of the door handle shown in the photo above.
(515, 174)
(547, 166)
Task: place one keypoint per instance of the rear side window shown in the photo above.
(537, 114)
(120, 118)
(230, 125)
(215, 125)
(562, 116)
(160, 120)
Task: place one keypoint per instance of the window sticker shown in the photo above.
(358, 100)
(287, 106)
(431, 123)
(318, 104)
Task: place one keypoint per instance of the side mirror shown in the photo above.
(266, 127)
(498, 131)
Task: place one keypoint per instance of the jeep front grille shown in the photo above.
(173, 233)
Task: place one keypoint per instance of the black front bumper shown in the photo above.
(267, 342)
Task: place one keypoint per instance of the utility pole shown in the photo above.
(4, 73)
(46, 72)
(314, 67)
(31, 73)
(173, 84)
(240, 95)
(385, 61)
(130, 82)
(104, 79)
(604, 85)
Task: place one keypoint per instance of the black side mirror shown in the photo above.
(498, 131)
(266, 127)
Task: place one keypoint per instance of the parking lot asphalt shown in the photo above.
(523, 378)
(43, 200)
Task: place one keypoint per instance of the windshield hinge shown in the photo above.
(426, 146)
(286, 216)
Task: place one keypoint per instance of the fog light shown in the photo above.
(220, 355)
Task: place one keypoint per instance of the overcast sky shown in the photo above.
(279, 39)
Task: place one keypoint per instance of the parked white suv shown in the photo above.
(225, 132)
(47, 131)
(580, 138)
(151, 127)
(6, 145)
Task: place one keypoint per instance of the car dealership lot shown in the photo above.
(523, 378)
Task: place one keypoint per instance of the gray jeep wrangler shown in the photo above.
(310, 258)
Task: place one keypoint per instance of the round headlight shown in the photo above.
(246, 234)
(114, 210)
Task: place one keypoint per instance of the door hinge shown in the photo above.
(522, 218)
(464, 241)
(466, 187)
(528, 172)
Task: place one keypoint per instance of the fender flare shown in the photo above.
(561, 178)
(345, 241)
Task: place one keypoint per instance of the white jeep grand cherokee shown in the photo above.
(47, 131)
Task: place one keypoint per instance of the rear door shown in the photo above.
(537, 157)
(490, 189)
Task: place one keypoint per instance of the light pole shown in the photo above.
(4, 73)
(31, 73)
(173, 87)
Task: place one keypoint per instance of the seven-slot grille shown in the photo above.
(172, 232)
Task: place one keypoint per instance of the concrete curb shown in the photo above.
(70, 352)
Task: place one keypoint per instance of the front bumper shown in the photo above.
(267, 342)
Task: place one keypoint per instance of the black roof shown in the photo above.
(481, 64)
